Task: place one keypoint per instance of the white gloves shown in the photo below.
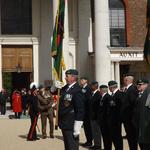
(59, 84)
(77, 127)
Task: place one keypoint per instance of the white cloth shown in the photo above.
(148, 101)
(77, 127)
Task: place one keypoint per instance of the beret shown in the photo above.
(142, 81)
(111, 83)
(84, 78)
(103, 86)
(72, 72)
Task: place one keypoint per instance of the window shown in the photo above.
(16, 16)
(117, 23)
(116, 40)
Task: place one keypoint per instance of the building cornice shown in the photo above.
(126, 53)
(125, 49)
(18, 40)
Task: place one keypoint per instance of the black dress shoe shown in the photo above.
(37, 138)
(44, 137)
(86, 144)
(30, 139)
(95, 147)
(52, 136)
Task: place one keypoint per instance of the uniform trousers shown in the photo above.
(70, 142)
(116, 136)
(145, 146)
(3, 109)
(106, 135)
(32, 132)
(131, 134)
(87, 129)
(44, 117)
(96, 132)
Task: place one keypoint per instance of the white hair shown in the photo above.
(131, 78)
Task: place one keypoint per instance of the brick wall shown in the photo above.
(136, 22)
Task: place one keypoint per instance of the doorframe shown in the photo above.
(19, 40)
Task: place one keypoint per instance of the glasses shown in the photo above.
(140, 84)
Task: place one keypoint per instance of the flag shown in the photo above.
(57, 41)
(147, 40)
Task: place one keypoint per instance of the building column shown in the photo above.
(1, 81)
(117, 73)
(36, 63)
(112, 70)
(55, 7)
(102, 41)
(66, 36)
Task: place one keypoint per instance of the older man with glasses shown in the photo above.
(142, 114)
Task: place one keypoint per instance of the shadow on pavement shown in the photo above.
(23, 136)
(59, 137)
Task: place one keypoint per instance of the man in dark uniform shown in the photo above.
(86, 90)
(94, 108)
(114, 119)
(33, 112)
(127, 111)
(143, 114)
(71, 110)
(103, 117)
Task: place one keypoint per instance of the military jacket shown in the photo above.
(71, 106)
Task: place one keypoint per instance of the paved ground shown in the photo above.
(13, 137)
(13, 134)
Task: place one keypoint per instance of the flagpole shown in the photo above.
(56, 51)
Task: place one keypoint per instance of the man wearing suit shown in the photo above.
(114, 119)
(103, 117)
(94, 108)
(127, 111)
(143, 114)
(86, 90)
(71, 110)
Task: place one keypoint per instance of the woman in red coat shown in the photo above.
(17, 103)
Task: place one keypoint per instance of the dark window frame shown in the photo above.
(16, 17)
(117, 22)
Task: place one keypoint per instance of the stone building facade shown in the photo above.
(103, 39)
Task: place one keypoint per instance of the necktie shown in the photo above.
(112, 94)
(125, 90)
(140, 94)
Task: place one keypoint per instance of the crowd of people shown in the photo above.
(101, 110)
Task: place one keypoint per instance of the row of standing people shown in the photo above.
(105, 113)
(18, 101)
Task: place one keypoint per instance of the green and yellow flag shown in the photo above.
(57, 42)
(147, 40)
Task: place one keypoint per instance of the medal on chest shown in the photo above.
(67, 100)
